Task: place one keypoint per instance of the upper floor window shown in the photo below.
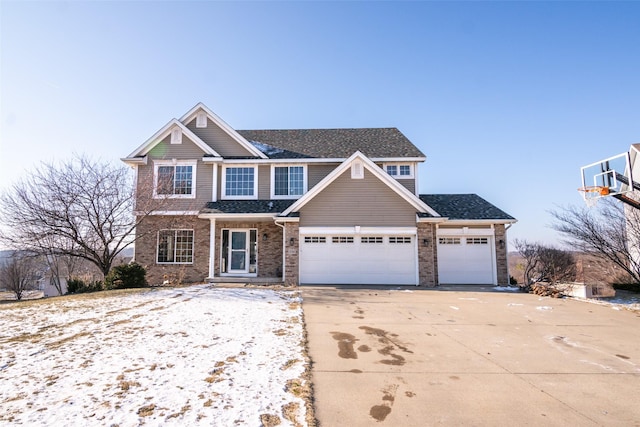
(240, 182)
(288, 181)
(399, 170)
(175, 179)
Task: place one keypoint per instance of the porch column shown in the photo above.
(212, 248)
(291, 253)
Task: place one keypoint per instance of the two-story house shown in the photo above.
(308, 206)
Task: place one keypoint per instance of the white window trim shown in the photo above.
(398, 164)
(272, 187)
(223, 188)
(193, 242)
(174, 162)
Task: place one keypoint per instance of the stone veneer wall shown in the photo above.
(146, 248)
(269, 250)
(427, 255)
(292, 270)
(502, 265)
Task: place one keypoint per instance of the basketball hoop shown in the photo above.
(591, 194)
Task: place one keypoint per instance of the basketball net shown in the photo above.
(592, 194)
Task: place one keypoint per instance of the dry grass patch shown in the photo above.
(290, 412)
(147, 410)
(269, 420)
(289, 364)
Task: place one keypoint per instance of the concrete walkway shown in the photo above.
(416, 357)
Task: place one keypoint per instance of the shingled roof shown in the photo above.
(332, 143)
(463, 206)
(247, 206)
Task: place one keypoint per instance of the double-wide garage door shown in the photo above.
(358, 258)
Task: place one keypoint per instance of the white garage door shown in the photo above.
(466, 260)
(372, 259)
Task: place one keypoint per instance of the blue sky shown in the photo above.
(506, 99)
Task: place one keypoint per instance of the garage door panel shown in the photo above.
(466, 260)
(368, 261)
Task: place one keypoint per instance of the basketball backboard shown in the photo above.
(608, 177)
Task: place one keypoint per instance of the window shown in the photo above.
(175, 180)
(399, 170)
(240, 182)
(288, 181)
(315, 239)
(175, 247)
(477, 241)
(376, 239)
(400, 239)
(342, 239)
(449, 241)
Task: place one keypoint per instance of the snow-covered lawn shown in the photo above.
(196, 355)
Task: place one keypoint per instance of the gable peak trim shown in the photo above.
(376, 171)
(192, 114)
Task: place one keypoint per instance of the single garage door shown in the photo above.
(466, 260)
(375, 259)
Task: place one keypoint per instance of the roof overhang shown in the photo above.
(238, 216)
(468, 222)
(134, 161)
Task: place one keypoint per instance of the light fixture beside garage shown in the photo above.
(426, 241)
(501, 243)
(292, 241)
(264, 237)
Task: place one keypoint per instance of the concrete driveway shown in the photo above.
(415, 357)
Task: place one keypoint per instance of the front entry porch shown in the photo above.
(245, 251)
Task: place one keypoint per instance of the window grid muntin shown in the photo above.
(239, 181)
(404, 170)
(449, 240)
(342, 239)
(400, 239)
(477, 241)
(174, 180)
(372, 239)
(288, 180)
(175, 247)
(315, 239)
(392, 170)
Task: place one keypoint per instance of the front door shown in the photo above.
(238, 252)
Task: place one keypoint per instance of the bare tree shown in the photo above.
(605, 232)
(556, 265)
(81, 208)
(529, 252)
(17, 274)
(545, 263)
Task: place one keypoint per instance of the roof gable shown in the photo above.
(239, 139)
(376, 171)
(159, 136)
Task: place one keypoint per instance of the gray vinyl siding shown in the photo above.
(264, 177)
(218, 139)
(166, 150)
(364, 202)
(315, 173)
(409, 184)
(185, 151)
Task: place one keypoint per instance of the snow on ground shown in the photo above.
(197, 355)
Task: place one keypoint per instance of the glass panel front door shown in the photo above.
(238, 252)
